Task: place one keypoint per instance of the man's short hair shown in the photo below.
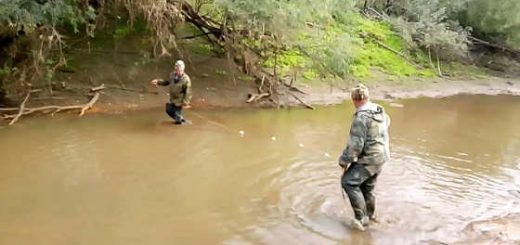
(180, 64)
(359, 92)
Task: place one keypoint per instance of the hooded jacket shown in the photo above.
(368, 142)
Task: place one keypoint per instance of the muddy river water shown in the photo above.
(136, 179)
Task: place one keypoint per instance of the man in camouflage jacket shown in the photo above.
(366, 152)
(179, 85)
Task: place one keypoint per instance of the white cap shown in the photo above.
(179, 64)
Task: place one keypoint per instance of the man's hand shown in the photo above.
(154, 82)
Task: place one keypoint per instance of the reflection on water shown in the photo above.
(136, 179)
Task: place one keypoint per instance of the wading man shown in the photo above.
(179, 85)
(366, 152)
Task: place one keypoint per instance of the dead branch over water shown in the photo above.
(51, 109)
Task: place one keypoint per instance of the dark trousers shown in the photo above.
(175, 112)
(359, 185)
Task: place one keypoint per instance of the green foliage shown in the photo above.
(203, 48)
(221, 72)
(121, 32)
(372, 56)
(5, 71)
(331, 49)
(26, 15)
(425, 25)
(289, 59)
(500, 20)
(435, 23)
(245, 78)
(455, 69)
(348, 47)
(285, 19)
(303, 31)
(310, 74)
(317, 38)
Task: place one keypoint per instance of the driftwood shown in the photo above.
(98, 88)
(22, 110)
(291, 87)
(46, 109)
(301, 101)
(9, 109)
(89, 104)
(255, 97)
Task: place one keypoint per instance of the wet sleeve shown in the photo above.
(358, 132)
(187, 92)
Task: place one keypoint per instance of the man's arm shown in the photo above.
(358, 132)
(161, 82)
(187, 92)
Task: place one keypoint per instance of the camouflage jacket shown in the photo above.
(179, 88)
(369, 141)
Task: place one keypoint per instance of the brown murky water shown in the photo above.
(134, 179)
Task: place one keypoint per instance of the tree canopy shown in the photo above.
(327, 36)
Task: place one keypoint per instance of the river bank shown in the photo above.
(228, 91)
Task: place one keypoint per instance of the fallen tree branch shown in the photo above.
(98, 88)
(195, 36)
(9, 109)
(255, 97)
(379, 15)
(20, 111)
(131, 89)
(486, 43)
(301, 101)
(49, 98)
(397, 53)
(54, 108)
(291, 87)
(261, 85)
(89, 104)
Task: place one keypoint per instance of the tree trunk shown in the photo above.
(430, 58)
(275, 64)
(438, 64)
(2, 94)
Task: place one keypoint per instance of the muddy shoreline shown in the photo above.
(415, 89)
(208, 94)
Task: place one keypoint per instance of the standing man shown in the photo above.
(179, 85)
(366, 152)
